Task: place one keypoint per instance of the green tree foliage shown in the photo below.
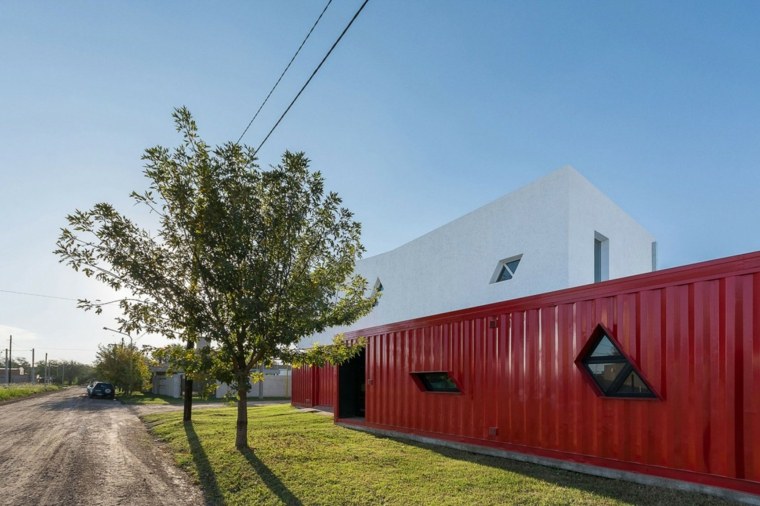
(249, 260)
(202, 365)
(20, 362)
(123, 365)
(66, 372)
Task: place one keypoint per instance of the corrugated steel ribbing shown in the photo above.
(314, 386)
(302, 388)
(327, 386)
(694, 332)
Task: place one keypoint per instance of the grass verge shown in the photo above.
(148, 398)
(303, 458)
(9, 392)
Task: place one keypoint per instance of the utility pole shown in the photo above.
(131, 363)
(46, 371)
(7, 370)
(131, 354)
(10, 357)
(33, 377)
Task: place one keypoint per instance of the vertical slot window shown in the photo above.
(601, 258)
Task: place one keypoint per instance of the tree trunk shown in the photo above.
(241, 436)
(187, 414)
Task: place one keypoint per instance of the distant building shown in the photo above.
(18, 375)
(276, 384)
(163, 383)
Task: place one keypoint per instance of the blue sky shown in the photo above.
(425, 111)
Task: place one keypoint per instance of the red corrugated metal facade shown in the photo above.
(302, 387)
(314, 386)
(693, 332)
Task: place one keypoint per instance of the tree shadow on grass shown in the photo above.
(621, 490)
(209, 485)
(273, 483)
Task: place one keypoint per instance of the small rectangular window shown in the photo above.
(601, 258)
(435, 381)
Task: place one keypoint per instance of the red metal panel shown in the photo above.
(314, 386)
(326, 388)
(693, 332)
(301, 390)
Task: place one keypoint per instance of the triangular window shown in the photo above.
(378, 290)
(505, 274)
(633, 384)
(506, 269)
(610, 369)
(605, 348)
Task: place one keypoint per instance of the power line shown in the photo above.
(38, 295)
(65, 349)
(314, 73)
(283, 72)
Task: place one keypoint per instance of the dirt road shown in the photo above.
(66, 449)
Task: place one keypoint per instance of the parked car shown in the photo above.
(102, 390)
(91, 384)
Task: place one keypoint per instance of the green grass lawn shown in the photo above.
(8, 392)
(303, 458)
(148, 398)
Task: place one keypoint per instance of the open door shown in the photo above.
(351, 387)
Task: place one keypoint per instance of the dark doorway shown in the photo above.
(351, 387)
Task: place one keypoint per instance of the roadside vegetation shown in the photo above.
(303, 458)
(123, 365)
(148, 398)
(8, 392)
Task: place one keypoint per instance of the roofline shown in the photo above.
(702, 271)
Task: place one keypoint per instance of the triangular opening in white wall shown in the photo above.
(505, 269)
(378, 290)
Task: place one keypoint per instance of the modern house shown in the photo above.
(501, 335)
(555, 233)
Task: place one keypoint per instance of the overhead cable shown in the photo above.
(38, 295)
(283, 72)
(313, 73)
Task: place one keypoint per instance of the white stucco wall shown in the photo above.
(273, 386)
(591, 211)
(548, 222)
(167, 384)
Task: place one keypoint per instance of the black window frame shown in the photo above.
(585, 359)
(421, 378)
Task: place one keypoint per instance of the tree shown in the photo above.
(20, 362)
(77, 373)
(66, 372)
(123, 365)
(249, 260)
(201, 365)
